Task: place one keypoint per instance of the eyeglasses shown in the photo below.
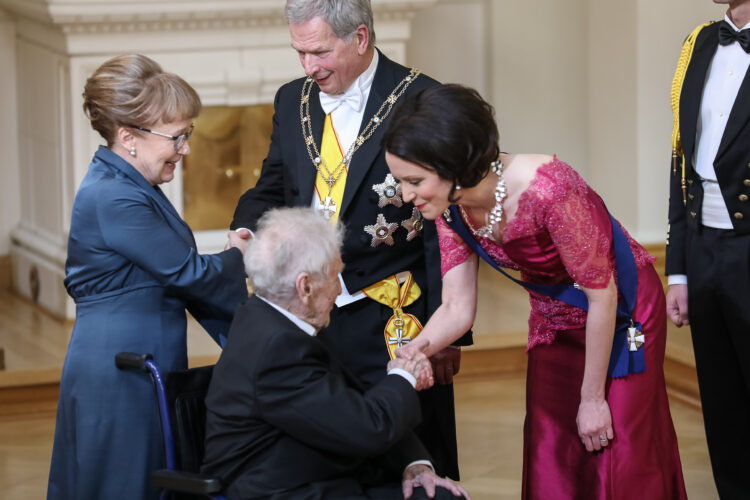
(179, 140)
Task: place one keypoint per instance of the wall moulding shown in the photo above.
(114, 16)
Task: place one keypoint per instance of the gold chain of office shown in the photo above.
(331, 176)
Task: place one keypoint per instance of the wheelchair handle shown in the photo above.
(132, 361)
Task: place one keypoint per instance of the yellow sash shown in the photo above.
(402, 327)
(331, 152)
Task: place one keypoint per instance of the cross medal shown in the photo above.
(635, 337)
(400, 340)
(328, 208)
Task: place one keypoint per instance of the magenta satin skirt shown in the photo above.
(642, 462)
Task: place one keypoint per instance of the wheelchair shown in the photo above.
(180, 399)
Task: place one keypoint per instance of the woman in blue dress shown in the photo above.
(133, 270)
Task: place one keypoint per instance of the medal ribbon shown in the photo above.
(330, 152)
(402, 327)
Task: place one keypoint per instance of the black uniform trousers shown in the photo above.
(718, 274)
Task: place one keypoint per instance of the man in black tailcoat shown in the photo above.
(708, 247)
(391, 282)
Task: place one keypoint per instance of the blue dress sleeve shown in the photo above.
(141, 230)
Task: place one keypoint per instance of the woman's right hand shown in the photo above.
(594, 423)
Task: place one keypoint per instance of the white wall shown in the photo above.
(448, 43)
(586, 79)
(10, 198)
(538, 77)
(612, 112)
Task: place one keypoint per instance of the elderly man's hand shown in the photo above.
(419, 367)
(420, 475)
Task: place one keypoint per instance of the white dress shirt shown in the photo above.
(347, 111)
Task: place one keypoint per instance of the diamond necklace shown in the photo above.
(331, 176)
(496, 214)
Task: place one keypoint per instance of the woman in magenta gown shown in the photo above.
(587, 435)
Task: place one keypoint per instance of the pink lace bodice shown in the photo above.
(561, 233)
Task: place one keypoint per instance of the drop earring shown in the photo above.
(132, 150)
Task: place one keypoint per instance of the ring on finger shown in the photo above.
(602, 440)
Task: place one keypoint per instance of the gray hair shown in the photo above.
(343, 16)
(287, 243)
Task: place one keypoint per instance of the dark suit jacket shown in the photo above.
(732, 162)
(282, 413)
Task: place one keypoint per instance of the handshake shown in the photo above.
(415, 361)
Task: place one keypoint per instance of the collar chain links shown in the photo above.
(331, 176)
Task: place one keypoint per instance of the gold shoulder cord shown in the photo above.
(679, 77)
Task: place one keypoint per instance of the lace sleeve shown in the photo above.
(453, 250)
(578, 224)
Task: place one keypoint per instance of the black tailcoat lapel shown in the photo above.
(738, 118)
(692, 88)
(382, 85)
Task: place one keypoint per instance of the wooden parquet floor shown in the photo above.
(490, 419)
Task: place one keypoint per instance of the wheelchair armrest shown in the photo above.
(132, 360)
(185, 482)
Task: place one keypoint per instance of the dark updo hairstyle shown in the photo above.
(448, 129)
(132, 89)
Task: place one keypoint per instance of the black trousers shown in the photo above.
(719, 312)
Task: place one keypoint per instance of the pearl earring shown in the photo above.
(132, 150)
(458, 187)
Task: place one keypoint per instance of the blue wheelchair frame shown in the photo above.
(170, 480)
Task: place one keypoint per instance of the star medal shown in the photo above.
(389, 192)
(413, 225)
(381, 231)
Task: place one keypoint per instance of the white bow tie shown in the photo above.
(352, 97)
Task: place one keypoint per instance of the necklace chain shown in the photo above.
(331, 176)
(496, 214)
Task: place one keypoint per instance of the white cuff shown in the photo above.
(421, 462)
(677, 279)
(246, 229)
(403, 373)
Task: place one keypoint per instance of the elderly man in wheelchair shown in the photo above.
(284, 419)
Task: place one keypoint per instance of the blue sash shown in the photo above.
(622, 361)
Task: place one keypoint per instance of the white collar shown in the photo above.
(302, 324)
(355, 94)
